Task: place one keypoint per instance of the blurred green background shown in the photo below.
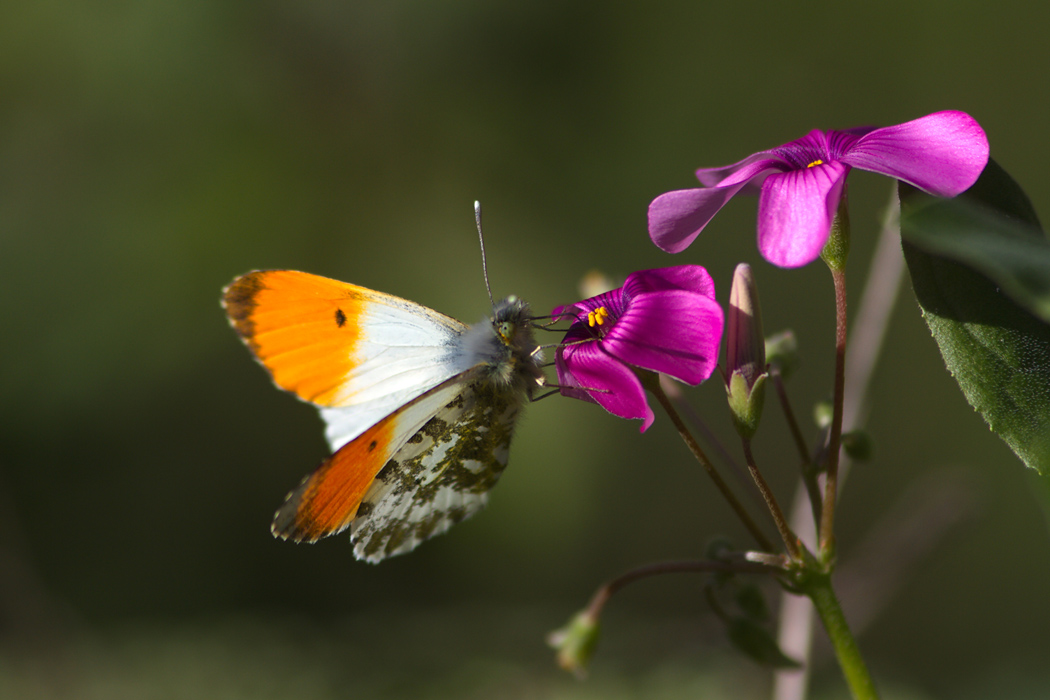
(151, 151)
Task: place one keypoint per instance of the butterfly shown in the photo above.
(419, 408)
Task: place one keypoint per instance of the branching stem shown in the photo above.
(651, 381)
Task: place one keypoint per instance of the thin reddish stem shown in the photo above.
(827, 519)
(603, 594)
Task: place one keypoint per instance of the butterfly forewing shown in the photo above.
(337, 344)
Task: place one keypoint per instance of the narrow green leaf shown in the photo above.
(754, 640)
(980, 267)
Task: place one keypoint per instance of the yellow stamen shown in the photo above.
(818, 161)
(597, 317)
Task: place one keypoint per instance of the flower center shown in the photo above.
(597, 317)
(818, 161)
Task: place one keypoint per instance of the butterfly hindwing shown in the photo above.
(327, 501)
(440, 476)
(411, 476)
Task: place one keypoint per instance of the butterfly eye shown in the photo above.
(505, 330)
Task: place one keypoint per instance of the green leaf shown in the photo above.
(980, 267)
(754, 640)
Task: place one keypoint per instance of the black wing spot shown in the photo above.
(340, 318)
(372, 445)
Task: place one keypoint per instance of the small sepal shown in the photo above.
(745, 403)
(836, 250)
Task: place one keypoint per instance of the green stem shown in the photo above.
(835, 253)
(791, 541)
(809, 474)
(831, 485)
(819, 590)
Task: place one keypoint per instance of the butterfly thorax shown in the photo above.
(506, 350)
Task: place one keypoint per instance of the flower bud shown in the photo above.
(575, 642)
(717, 547)
(782, 352)
(858, 445)
(822, 414)
(746, 357)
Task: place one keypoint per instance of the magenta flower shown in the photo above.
(664, 320)
(802, 181)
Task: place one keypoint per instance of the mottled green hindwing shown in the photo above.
(441, 476)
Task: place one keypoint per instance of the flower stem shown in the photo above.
(819, 590)
(789, 414)
(809, 478)
(651, 381)
(791, 541)
(603, 594)
(827, 518)
(869, 330)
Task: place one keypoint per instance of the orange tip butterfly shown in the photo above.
(419, 408)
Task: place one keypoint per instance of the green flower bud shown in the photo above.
(822, 414)
(575, 643)
(717, 546)
(782, 352)
(858, 445)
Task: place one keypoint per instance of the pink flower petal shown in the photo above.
(942, 153)
(677, 218)
(674, 332)
(693, 278)
(742, 171)
(795, 210)
(585, 368)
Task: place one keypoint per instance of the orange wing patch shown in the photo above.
(303, 328)
(327, 500)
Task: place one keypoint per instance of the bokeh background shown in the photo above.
(151, 151)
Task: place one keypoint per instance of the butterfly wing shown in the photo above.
(419, 408)
(411, 476)
(361, 353)
(441, 475)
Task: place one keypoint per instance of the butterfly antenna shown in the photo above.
(484, 264)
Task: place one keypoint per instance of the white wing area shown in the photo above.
(403, 351)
